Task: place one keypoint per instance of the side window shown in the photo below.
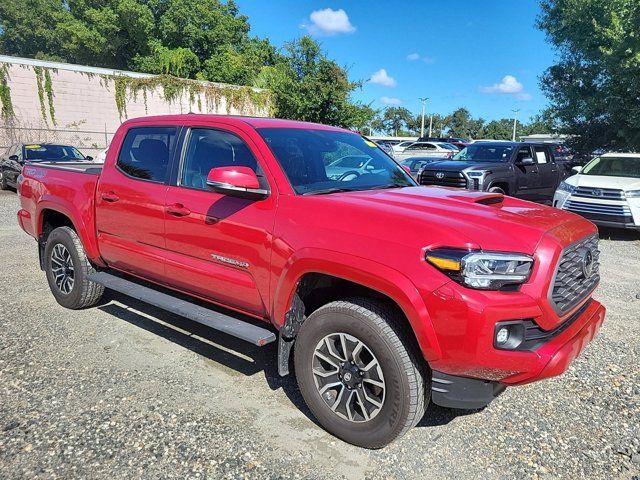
(542, 155)
(207, 149)
(524, 152)
(146, 151)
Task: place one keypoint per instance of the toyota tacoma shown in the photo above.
(383, 295)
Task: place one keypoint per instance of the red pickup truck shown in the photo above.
(390, 295)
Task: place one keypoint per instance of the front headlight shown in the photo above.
(632, 194)
(482, 270)
(565, 187)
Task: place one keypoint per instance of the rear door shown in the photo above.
(549, 173)
(218, 246)
(528, 180)
(130, 201)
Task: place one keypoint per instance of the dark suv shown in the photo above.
(523, 170)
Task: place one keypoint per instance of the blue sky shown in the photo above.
(485, 55)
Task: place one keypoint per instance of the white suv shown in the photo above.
(606, 191)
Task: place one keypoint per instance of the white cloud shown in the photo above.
(510, 86)
(381, 77)
(329, 22)
(391, 101)
(412, 57)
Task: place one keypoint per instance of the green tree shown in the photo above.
(499, 129)
(397, 120)
(595, 86)
(461, 124)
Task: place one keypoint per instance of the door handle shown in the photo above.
(178, 210)
(110, 197)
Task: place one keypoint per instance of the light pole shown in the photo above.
(424, 105)
(515, 123)
(430, 124)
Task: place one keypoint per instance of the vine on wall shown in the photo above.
(6, 106)
(45, 87)
(242, 99)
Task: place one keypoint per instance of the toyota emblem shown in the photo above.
(440, 175)
(586, 263)
(597, 192)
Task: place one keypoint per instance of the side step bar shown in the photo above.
(216, 320)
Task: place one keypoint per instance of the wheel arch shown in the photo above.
(353, 275)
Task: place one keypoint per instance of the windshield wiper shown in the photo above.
(330, 190)
(392, 185)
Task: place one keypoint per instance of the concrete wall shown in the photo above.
(84, 104)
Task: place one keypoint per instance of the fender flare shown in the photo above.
(385, 280)
(87, 235)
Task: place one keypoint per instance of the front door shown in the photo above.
(130, 201)
(218, 246)
(527, 176)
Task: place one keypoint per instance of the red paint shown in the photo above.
(183, 238)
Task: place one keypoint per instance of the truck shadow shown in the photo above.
(618, 234)
(231, 352)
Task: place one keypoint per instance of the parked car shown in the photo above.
(458, 142)
(16, 156)
(415, 164)
(399, 147)
(394, 295)
(606, 191)
(522, 170)
(425, 149)
(352, 166)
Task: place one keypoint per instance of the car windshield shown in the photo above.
(478, 152)
(613, 167)
(52, 153)
(313, 161)
(448, 146)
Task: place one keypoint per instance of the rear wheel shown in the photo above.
(67, 268)
(359, 374)
(3, 181)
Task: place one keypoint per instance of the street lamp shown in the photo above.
(424, 105)
(515, 123)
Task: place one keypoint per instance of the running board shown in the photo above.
(212, 319)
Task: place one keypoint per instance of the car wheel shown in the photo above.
(359, 372)
(3, 181)
(497, 190)
(67, 268)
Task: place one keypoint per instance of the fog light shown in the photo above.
(508, 335)
(502, 336)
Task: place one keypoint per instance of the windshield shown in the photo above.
(613, 167)
(52, 153)
(479, 152)
(324, 161)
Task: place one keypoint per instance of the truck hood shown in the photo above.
(440, 216)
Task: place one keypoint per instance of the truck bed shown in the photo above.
(81, 167)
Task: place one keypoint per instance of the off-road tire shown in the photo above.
(84, 292)
(497, 190)
(384, 331)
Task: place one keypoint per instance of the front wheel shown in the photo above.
(358, 372)
(497, 190)
(67, 268)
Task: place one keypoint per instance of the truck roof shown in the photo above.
(255, 122)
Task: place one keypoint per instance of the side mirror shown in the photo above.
(236, 182)
(88, 158)
(576, 169)
(14, 158)
(526, 161)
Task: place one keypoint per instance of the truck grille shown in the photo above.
(597, 208)
(449, 179)
(574, 280)
(589, 192)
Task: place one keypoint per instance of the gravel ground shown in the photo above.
(128, 391)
